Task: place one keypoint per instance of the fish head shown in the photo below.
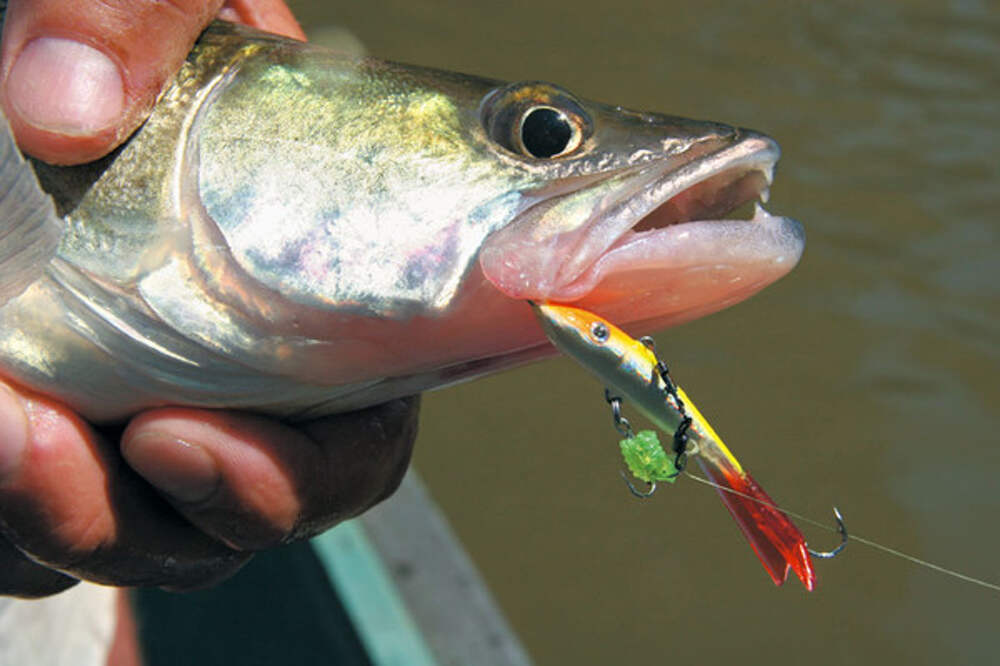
(440, 201)
(386, 189)
(632, 223)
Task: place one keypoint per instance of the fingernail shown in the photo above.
(67, 87)
(13, 433)
(182, 470)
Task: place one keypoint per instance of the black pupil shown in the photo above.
(599, 331)
(545, 132)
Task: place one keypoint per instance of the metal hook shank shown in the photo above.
(842, 530)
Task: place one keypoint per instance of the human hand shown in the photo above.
(179, 497)
(79, 77)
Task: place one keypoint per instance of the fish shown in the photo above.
(628, 367)
(300, 232)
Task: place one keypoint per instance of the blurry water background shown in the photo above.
(868, 378)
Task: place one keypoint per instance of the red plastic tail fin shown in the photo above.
(774, 537)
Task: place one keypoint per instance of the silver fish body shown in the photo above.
(299, 232)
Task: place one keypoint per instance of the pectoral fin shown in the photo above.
(30, 229)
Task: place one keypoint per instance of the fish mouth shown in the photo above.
(656, 237)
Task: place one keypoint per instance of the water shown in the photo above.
(867, 378)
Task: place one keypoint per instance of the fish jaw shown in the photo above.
(650, 249)
(644, 256)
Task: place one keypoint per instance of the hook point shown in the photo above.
(635, 491)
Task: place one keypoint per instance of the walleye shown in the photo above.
(300, 232)
(629, 367)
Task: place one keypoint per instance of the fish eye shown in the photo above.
(547, 132)
(536, 120)
(599, 332)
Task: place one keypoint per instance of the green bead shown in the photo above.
(646, 459)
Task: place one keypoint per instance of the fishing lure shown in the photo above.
(631, 370)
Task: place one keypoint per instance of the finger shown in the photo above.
(253, 482)
(69, 502)
(271, 15)
(365, 456)
(78, 78)
(21, 577)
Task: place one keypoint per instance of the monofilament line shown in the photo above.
(854, 537)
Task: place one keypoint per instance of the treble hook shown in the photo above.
(635, 491)
(842, 530)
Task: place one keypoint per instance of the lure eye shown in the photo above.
(599, 332)
(536, 120)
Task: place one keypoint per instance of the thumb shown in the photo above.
(77, 77)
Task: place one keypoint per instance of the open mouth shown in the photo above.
(667, 228)
(714, 198)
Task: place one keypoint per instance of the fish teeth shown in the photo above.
(759, 213)
(769, 173)
(765, 194)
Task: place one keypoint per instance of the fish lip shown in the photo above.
(750, 152)
(638, 194)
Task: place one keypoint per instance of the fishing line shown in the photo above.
(854, 537)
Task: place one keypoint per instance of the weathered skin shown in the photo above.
(298, 232)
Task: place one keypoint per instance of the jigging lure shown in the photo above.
(631, 371)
